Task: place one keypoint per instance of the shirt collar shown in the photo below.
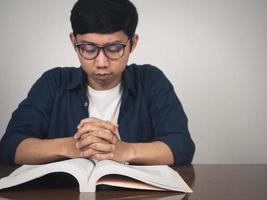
(78, 79)
(128, 82)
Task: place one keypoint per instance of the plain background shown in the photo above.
(213, 51)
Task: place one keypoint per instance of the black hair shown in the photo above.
(104, 16)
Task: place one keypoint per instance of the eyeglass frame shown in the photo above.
(101, 47)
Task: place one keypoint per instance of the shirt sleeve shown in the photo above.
(30, 119)
(169, 119)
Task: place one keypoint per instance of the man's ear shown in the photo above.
(72, 39)
(134, 42)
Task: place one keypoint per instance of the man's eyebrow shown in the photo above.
(89, 42)
(85, 41)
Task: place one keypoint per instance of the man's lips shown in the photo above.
(102, 76)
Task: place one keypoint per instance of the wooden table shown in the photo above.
(209, 182)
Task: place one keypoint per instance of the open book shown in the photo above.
(90, 173)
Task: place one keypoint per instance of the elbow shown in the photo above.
(185, 154)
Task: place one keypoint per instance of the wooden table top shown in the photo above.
(208, 181)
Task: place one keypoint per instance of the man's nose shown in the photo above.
(101, 59)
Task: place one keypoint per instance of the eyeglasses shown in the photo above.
(90, 51)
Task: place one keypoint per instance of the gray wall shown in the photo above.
(213, 51)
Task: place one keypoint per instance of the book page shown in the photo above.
(80, 168)
(162, 176)
(126, 182)
(157, 175)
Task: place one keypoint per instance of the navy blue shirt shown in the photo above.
(57, 102)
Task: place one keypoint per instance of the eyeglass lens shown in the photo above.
(112, 51)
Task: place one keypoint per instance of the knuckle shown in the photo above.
(90, 139)
(100, 157)
(99, 132)
(80, 131)
(96, 157)
(97, 140)
(85, 153)
(110, 138)
(84, 136)
(79, 144)
(110, 156)
(88, 152)
(95, 145)
(110, 147)
(92, 119)
(83, 121)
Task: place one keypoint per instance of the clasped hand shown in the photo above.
(98, 139)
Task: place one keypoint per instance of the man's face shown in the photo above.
(104, 73)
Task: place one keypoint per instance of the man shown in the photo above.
(104, 109)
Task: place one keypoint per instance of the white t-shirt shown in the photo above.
(105, 104)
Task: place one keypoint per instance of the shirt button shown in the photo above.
(85, 104)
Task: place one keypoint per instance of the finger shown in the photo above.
(88, 141)
(105, 135)
(97, 122)
(103, 147)
(84, 136)
(114, 124)
(102, 134)
(86, 120)
(89, 153)
(104, 124)
(93, 127)
(85, 129)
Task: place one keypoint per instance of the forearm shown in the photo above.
(38, 151)
(153, 153)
